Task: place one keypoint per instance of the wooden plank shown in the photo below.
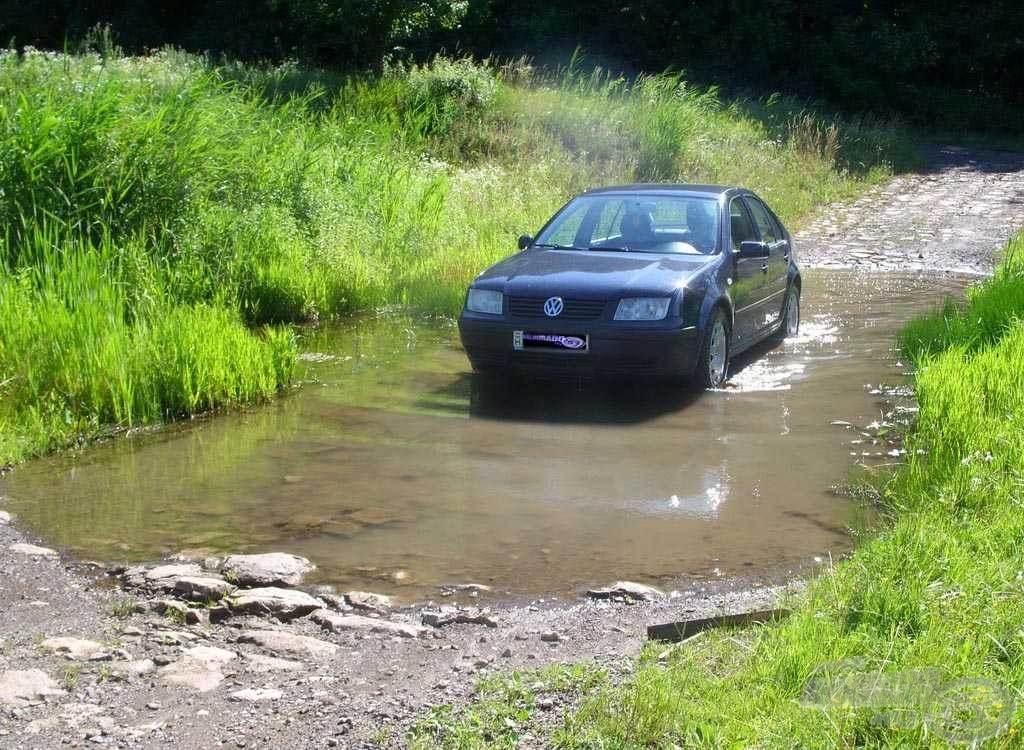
(680, 631)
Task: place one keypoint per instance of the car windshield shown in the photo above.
(679, 224)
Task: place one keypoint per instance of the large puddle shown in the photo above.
(395, 471)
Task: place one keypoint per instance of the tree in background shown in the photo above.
(952, 64)
(347, 34)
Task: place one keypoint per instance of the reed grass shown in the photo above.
(158, 212)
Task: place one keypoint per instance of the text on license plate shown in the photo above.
(527, 340)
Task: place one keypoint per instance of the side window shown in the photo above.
(765, 223)
(741, 227)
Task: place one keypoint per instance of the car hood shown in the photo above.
(590, 274)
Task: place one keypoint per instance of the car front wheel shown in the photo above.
(713, 362)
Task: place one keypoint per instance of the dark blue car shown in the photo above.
(638, 280)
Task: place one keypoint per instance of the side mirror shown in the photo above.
(525, 241)
(751, 249)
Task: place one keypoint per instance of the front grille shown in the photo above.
(575, 309)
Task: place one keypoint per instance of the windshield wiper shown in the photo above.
(555, 246)
(610, 248)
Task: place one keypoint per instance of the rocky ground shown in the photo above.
(236, 653)
(205, 654)
(948, 217)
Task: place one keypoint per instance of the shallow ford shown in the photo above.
(638, 280)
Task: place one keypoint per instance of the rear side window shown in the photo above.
(741, 227)
(765, 223)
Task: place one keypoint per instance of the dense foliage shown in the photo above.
(946, 65)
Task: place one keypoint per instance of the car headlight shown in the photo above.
(642, 308)
(484, 301)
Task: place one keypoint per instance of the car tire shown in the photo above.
(789, 326)
(713, 360)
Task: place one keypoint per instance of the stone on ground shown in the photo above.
(202, 588)
(76, 649)
(279, 642)
(271, 569)
(337, 622)
(262, 663)
(28, 687)
(627, 590)
(284, 604)
(137, 668)
(257, 695)
(5, 518)
(453, 616)
(199, 668)
(32, 550)
(162, 576)
(367, 601)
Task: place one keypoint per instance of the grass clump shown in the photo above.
(160, 212)
(940, 588)
(503, 709)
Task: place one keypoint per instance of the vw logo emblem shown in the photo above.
(553, 307)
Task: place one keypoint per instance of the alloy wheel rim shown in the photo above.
(716, 349)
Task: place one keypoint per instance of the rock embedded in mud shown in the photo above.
(627, 590)
(28, 687)
(76, 649)
(5, 518)
(550, 637)
(284, 604)
(368, 602)
(337, 623)
(201, 588)
(271, 569)
(280, 642)
(32, 550)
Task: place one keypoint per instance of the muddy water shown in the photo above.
(396, 471)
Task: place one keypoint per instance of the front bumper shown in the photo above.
(615, 349)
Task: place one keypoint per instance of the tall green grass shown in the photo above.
(157, 212)
(941, 586)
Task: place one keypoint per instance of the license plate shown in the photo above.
(557, 341)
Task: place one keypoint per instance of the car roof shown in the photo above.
(666, 188)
